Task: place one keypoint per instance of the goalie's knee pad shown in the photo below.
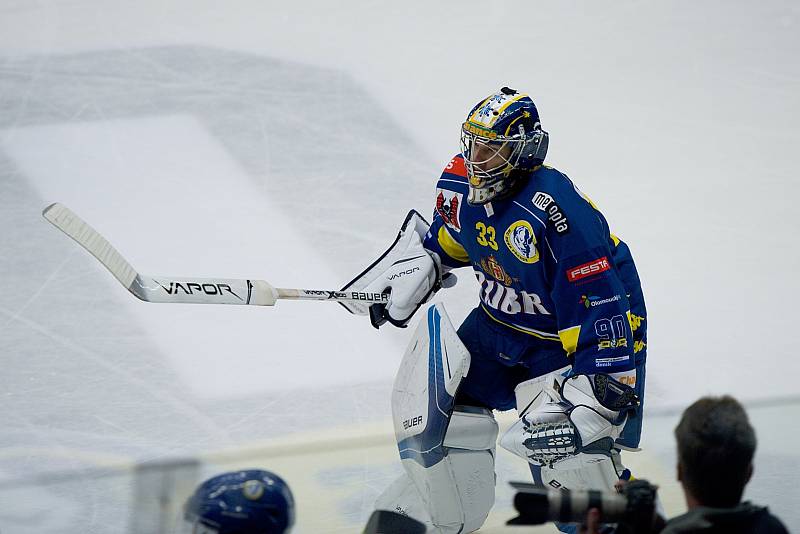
(447, 452)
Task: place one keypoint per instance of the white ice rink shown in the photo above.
(286, 141)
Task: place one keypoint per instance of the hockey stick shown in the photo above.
(188, 290)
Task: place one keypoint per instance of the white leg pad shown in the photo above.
(455, 495)
(402, 497)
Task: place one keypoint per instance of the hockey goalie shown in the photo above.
(559, 332)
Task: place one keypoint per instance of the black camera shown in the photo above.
(633, 509)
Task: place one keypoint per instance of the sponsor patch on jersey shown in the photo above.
(608, 362)
(590, 301)
(604, 344)
(507, 300)
(590, 268)
(448, 206)
(492, 267)
(555, 215)
(521, 241)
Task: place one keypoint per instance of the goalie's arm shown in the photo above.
(187, 290)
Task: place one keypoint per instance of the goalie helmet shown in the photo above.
(241, 502)
(501, 140)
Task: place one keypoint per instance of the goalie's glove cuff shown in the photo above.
(610, 398)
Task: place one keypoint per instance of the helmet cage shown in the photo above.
(490, 158)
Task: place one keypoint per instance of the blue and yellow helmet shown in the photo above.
(501, 139)
(252, 501)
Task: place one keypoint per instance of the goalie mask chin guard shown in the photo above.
(501, 140)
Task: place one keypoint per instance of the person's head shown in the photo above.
(501, 140)
(241, 502)
(715, 451)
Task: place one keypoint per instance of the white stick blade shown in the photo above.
(68, 222)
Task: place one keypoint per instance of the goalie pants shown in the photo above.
(502, 358)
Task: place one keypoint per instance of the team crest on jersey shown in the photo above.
(448, 206)
(492, 267)
(521, 242)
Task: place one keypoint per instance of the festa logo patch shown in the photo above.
(253, 489)
(448, 206)
(491, 266)
(587, 269)
(591, 301)
(521, 241)
(555, 215)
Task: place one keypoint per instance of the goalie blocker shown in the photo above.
(406, 271)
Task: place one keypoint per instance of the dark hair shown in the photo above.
(715, 447)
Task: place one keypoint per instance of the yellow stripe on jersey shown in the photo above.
(585, 197)
(615, 239)
(569, 338)
(531, 332)
(452, 247)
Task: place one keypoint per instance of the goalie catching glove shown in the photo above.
(408, 272)
(578, 420)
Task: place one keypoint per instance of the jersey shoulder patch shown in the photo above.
(455, 169)
(448, 207)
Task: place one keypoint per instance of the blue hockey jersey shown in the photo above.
(547, 266)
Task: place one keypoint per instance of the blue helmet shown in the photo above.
(241, 502)
(501, 139)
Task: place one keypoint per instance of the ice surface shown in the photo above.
(287, 141)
